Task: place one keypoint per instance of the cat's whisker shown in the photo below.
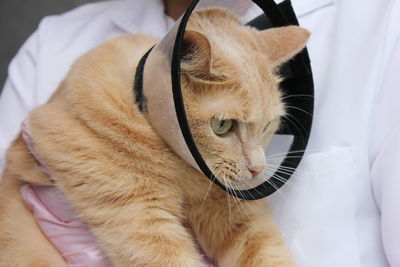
(286, 168)
(297, 108)
(248, 184)
(277, 189)
(228, 197)
(245, 181)
(296, 95)
(240, 202)
(282, 123)
(209, 188)
(270, 173)
(274, 174)
(268, 167)
(289, 117)
(290, 170)
(280, 170)
(278, 159)
(226, 181)
(296, 119)
(279, 178)
(249, 206)
(286, 153)
(300, 131)
(241, 194)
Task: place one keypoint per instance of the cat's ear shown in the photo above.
(282, 43)
(196, 57)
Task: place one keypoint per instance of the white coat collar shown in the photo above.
(141, 16)
(148, 16)
(304, 7)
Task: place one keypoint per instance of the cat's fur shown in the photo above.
(142, 202)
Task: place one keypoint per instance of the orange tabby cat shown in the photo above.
(142, 202)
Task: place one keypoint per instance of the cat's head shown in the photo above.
(230, 87)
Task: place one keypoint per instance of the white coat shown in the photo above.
(342, 208)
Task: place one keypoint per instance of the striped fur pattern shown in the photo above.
(144, 204)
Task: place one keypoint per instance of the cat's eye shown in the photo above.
(221, 127)
(266, 127)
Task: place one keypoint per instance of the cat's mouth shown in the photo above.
(233, 176)
(227, 172)
(236, 178)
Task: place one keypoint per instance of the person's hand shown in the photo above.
(65, 231)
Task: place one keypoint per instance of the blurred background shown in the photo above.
(19, 18)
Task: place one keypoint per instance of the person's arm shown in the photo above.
(385, 144)
(18, 95)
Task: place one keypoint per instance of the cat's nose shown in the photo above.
(255, 169)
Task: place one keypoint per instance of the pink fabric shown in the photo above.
(29, 143)
(66, 232)
(70, 235)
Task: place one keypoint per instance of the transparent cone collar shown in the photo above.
(158, 83)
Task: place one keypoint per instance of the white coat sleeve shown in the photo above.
(385, 146)
(18, 94)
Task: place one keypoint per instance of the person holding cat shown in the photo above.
(341, 208)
